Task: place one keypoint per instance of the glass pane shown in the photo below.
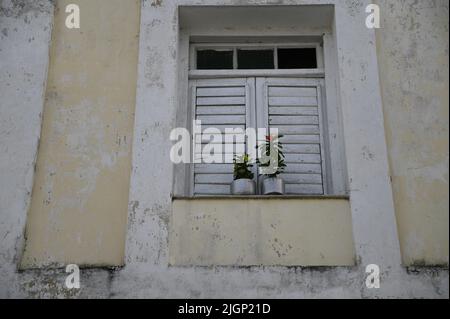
(214, 60)
(255, 59)
(304, 58)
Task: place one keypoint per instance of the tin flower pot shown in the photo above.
(272, 186)
(243, 186)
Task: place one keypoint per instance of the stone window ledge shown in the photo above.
(305, 231)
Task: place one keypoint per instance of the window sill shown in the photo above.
(262, 197)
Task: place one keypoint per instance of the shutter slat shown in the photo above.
(213, 168)
(303, 158)
(220, 110)
(292, 101)
(293, 120)
(306, 189)
(220, 91)
(221, 119)
(224, 179)
(219, 148)
(297, 129)
(222, 127)
(300, 139)
(302, 178)
(232, 100)
(304, 168)
(222, 137)
(211, 189)
(301, 148)
(214, 160)
(297, 110)
(226, 158)
(282, 91)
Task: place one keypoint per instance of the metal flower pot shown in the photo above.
(272, 186)
(243, 187)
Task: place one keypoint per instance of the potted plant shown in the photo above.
(271, 165)
(243, 183)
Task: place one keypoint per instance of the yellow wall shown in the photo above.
(270, 232)
(414, 70)
(78, 211)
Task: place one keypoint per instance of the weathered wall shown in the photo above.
(79, 202)
(269, 232)
(147, 273)
(25, 31)
(413, 59)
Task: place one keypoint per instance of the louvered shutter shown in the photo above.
(293, 106)
(220, 104)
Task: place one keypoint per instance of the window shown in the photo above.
(297, 58)
(255, 57)
(214, 59)
(293, 106)
(279, 84)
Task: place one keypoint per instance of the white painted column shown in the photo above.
(373, 215)
(25, 34)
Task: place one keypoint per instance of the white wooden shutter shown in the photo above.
(218, 103)
(294, 107)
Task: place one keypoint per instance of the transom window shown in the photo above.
(255, 57)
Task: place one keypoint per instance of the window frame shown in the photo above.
(337, 179)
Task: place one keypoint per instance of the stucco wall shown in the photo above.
(268, 232)
(147, 273)
(413, 59)
(79, 202)
(25, 32)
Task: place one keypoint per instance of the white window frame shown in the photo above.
(327, 72)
